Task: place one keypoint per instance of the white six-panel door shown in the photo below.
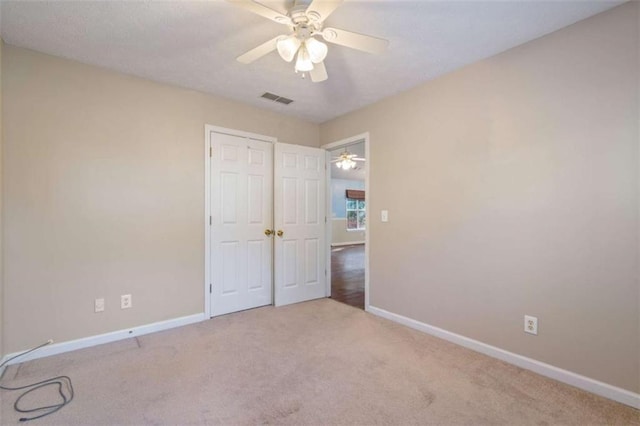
(299, 218)
(241, 255)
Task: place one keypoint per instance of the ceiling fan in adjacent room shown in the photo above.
(306, 26)
(347, 160)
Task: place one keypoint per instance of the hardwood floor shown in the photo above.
(347, 275)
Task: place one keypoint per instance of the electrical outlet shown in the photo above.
(530, 324)
(125, 301)
(98, 305)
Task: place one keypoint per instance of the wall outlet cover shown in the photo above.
(125, 301)
(531, 325)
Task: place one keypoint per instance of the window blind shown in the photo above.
(355, 194)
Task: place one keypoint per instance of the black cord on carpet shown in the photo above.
(63, 384)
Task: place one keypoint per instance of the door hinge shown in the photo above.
(325, 219)
(210, 151)
(210, 288)
(210, 220)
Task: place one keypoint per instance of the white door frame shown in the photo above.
(207, 203)
(343, 142)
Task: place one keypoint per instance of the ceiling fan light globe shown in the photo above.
(346, 164)
(287, 47)
(303, 63)
(317, 50)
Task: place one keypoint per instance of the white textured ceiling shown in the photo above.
(194, 44)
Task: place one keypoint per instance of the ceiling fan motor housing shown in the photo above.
(298, 15)
(305, 24)
(303, 32)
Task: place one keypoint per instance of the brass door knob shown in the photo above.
(280, 233)
(268, 232)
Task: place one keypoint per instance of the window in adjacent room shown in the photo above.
(356, 216)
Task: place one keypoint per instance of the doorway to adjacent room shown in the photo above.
(347, 217)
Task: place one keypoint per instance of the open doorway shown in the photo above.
(347, 221)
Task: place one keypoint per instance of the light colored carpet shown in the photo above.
(315, 363)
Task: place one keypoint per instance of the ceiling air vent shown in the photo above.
(276, 98)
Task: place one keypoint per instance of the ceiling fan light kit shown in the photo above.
(317, 50)
(303, 63)
(346, 164)
(287, 47)
(305, 24)
(347, 160)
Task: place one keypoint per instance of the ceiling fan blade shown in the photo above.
(354, 40)
(359, 159)
(319, 10)
(258, 52)
(262, 10)
(318, 73)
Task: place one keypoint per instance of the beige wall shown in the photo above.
(104, 195)
(340, 235)
(523, 171)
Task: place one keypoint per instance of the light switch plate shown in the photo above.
(384, 215)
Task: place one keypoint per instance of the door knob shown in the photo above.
(268, 232)
(280, 233)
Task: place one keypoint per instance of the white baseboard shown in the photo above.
(352, 243)
(2, 360)
(591, 385)
(86, 342)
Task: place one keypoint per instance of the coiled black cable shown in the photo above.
(63, 383)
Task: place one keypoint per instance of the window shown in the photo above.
(356, 216)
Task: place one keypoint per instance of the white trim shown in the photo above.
(240, 133)
(207, 215)
(367, 190)
(348, 141)
(4, 367)
(208, 128)
(328, 224)
(86, 342)
(351, 243)
(367, 179)
(590, 385)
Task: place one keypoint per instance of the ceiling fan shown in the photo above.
(347, 160)
(306, 25)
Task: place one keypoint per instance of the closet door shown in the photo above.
(299, 219)
(241, 221)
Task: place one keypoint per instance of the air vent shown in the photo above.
(276, 98)
(269, 96)
(284, 101)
